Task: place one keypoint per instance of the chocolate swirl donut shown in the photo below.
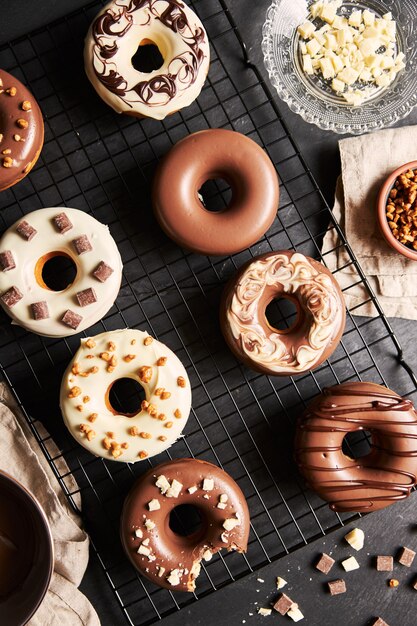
(386, 475)
(320, 313)
(112, 42)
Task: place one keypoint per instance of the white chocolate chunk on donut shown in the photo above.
(30, 243)
(98, 364)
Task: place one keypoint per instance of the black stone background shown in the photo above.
(368, 593)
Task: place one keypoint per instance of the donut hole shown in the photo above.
(357, 444)
(148, 57)
(215, 195)
(124, 397)
(282, 314)
(55, 271)
(186, 520)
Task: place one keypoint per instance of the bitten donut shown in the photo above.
(113, 39)
(30, 243)
(165, 557)
(320, 313)
(21, 130)
(210, 154)
(383, 477)
(85, 396)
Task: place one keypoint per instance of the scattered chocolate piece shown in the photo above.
(62, 223)
(379, 622)
(406, 557)
(82, 244)
(337, 586)
(384, 563)
(86, 297)
(103, 272)
(11, 296)
(26, 230)
(71, 319)
(283, 604)
(40, 310)
(325, 563)
(7, 261)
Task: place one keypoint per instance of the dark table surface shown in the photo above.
(369, 595)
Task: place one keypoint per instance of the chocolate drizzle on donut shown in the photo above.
(158, 90)
(386, 474)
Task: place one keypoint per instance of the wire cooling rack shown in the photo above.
(103, 163)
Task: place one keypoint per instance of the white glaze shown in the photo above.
(132, 26)
(96, 385)
(317, 294)
(48, 239)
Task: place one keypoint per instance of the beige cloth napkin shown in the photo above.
(366, 162)
(21, 457)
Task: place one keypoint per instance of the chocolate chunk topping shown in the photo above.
(71, 319)
(82, 244)
(26, 230)
(62, 223)
(103, 271)
(283, 604)
(337, 586)
(7, 261)
(384, 563)
(40, 310)
(325, 563)
(11, 296)
(87, 296)
(406, 557)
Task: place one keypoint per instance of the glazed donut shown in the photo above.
(40, 236)
(205, 155)
(386, 475)
(165, 557)
(320, 313)
(113, 39)
(85, 396)
(21, 130)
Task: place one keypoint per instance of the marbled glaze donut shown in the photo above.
(383, 477)
(165, 557)
(320, 313)
(21, 130)
(205, 155)
(35, 239)
(85, 395)
(113, 39)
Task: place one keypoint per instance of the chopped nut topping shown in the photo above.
(17, 137)
(26, 105)
(159, 390)
(125, 445)
(162, 417)
(7, 162)
(105, 356)
(22, 123)
(6, 151)
(132, 343)
(177, 414)
(86, 399)
(129, 357)
(162, 438)
(161, 361)
(92, 417)
(142, 454)
(107, 443)
(11, 91)
(165, 395)
(145, 435)
(181, 381)
(90, 343)
(401, 210)
(154, 505)
(145, 374)
(74, 392)
(169, 424)
(147, 341)
(89, 432)
(134, 431)
(80, 407)
(393, 582)
(144, 405)
(112, 346)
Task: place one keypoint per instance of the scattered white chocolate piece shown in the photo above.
(161, 571)
(162, 483)
(154, 505)
(138, 533)
(207, 555)
(295, 613)
(281, 582)
(144, 550)
(192, 489)
(223, 497)
(149, 524)
(355, 538)
(174, 577)
(231, 523)
(264, 612)
(350, 564)
(221, 505)
(208, 484)
(174, 490)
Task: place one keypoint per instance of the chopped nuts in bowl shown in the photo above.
(397, 210)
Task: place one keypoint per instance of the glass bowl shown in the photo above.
(311, 96)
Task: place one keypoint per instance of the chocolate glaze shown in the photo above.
(23, 153)
(117, 21)
(386, 475)
(173, 551)
(320, 313)
(205, 155)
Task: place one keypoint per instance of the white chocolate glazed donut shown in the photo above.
(98, 364)
(27, 245)
(113, 39)
(320, 319)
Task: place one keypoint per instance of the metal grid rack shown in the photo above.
(103, 163)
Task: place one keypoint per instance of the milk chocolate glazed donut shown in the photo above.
(203, 156)
(165, 557)
(383, 477)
